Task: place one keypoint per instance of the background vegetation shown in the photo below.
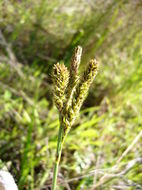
(33, 36)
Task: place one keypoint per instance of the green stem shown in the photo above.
(58, 156)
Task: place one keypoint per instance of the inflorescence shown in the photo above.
(70, 89)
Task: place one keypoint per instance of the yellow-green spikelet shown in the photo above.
(60, 76)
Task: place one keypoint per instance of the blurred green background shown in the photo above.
(34, 35)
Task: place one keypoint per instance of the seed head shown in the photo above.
(83, 87)
(60, 78)
(75, 62)
(69, 93)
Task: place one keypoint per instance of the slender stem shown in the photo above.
(58, 156)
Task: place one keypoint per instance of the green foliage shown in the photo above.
(42, 33)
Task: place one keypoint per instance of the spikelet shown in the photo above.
(60, 77)
(84, 85)
(75, 62)
(80, 94)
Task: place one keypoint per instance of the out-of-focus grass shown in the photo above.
(42, 32)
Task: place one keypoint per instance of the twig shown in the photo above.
(98, 162)
(120, 187)
(84, 176)
(130, 147)
(11, 57)
(128, 167)
(107, 177)
(120, 174)
(47, 58)
(20, 93)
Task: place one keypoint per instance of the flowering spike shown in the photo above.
(60, 78)
(75, 62)
(82, 89)
(69, 93)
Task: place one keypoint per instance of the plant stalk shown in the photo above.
(58, 156)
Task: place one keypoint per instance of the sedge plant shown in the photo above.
(70, 91)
